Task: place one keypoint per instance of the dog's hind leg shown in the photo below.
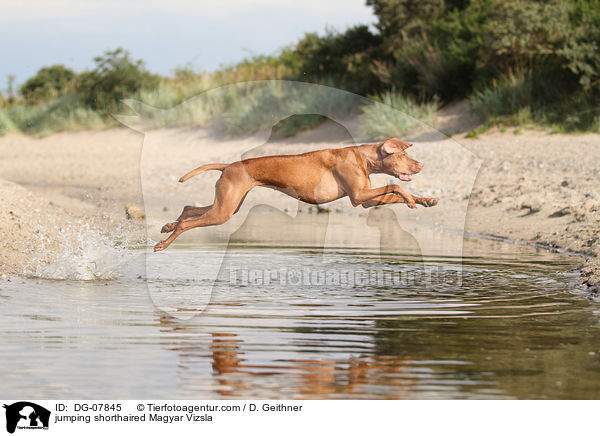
(230, 192)
(188, 212)
(213, 217)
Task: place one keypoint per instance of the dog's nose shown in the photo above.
(420, 165)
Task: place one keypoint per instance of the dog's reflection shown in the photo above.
(227, 359)
(235, 375)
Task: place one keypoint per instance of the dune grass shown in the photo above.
(263, 104)
(394, 114)
(195, 99)
(61, 114)
(518, 99)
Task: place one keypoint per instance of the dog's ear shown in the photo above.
(393, 145)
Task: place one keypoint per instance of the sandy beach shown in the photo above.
(532, 187)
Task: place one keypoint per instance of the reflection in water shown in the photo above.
(226, 359)
(512, 329)
(316, 378)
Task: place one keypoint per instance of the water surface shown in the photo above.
(517, 326)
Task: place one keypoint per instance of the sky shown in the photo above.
(164, 33)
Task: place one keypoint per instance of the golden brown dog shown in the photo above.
(316, 177)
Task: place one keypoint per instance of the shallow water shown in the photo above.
(517, 326)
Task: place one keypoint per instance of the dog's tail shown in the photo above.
(201, 169)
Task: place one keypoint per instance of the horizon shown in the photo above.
(72, 33)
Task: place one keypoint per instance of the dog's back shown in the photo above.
(307, 176)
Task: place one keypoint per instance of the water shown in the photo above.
(517, 327)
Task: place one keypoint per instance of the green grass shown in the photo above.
(193, 100)
(245, 107)
(257, 105)
(394, 114)
(57, 115)
(519, 100)
(242, 107)
(6, 122)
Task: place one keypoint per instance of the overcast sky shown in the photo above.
(164, 33)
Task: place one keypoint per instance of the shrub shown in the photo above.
(431, 46)
(49, 82)
(345, 59)
(520, 98)
(286, 65)
(505, 96)
(115, 78)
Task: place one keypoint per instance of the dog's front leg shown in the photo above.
(392, 194)
(359, 196)
(409, 199)
(396, 198)
(388, 199)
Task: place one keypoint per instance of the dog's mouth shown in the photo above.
(405, 177)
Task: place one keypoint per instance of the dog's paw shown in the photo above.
(160, 246)
(426, 202)
(169, 227)
(430, 202)
(411, 204)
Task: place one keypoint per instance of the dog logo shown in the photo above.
(272, 219)
(26, 415)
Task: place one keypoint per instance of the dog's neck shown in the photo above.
(372, 158)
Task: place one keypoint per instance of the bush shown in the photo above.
(49, 82)
(521, 98)
(506, 96)
(286, 65)
(431, 46)
(115, 78)
(345, 59)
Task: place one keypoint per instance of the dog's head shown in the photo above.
(395, 161)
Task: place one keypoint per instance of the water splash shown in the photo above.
(83, 254)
